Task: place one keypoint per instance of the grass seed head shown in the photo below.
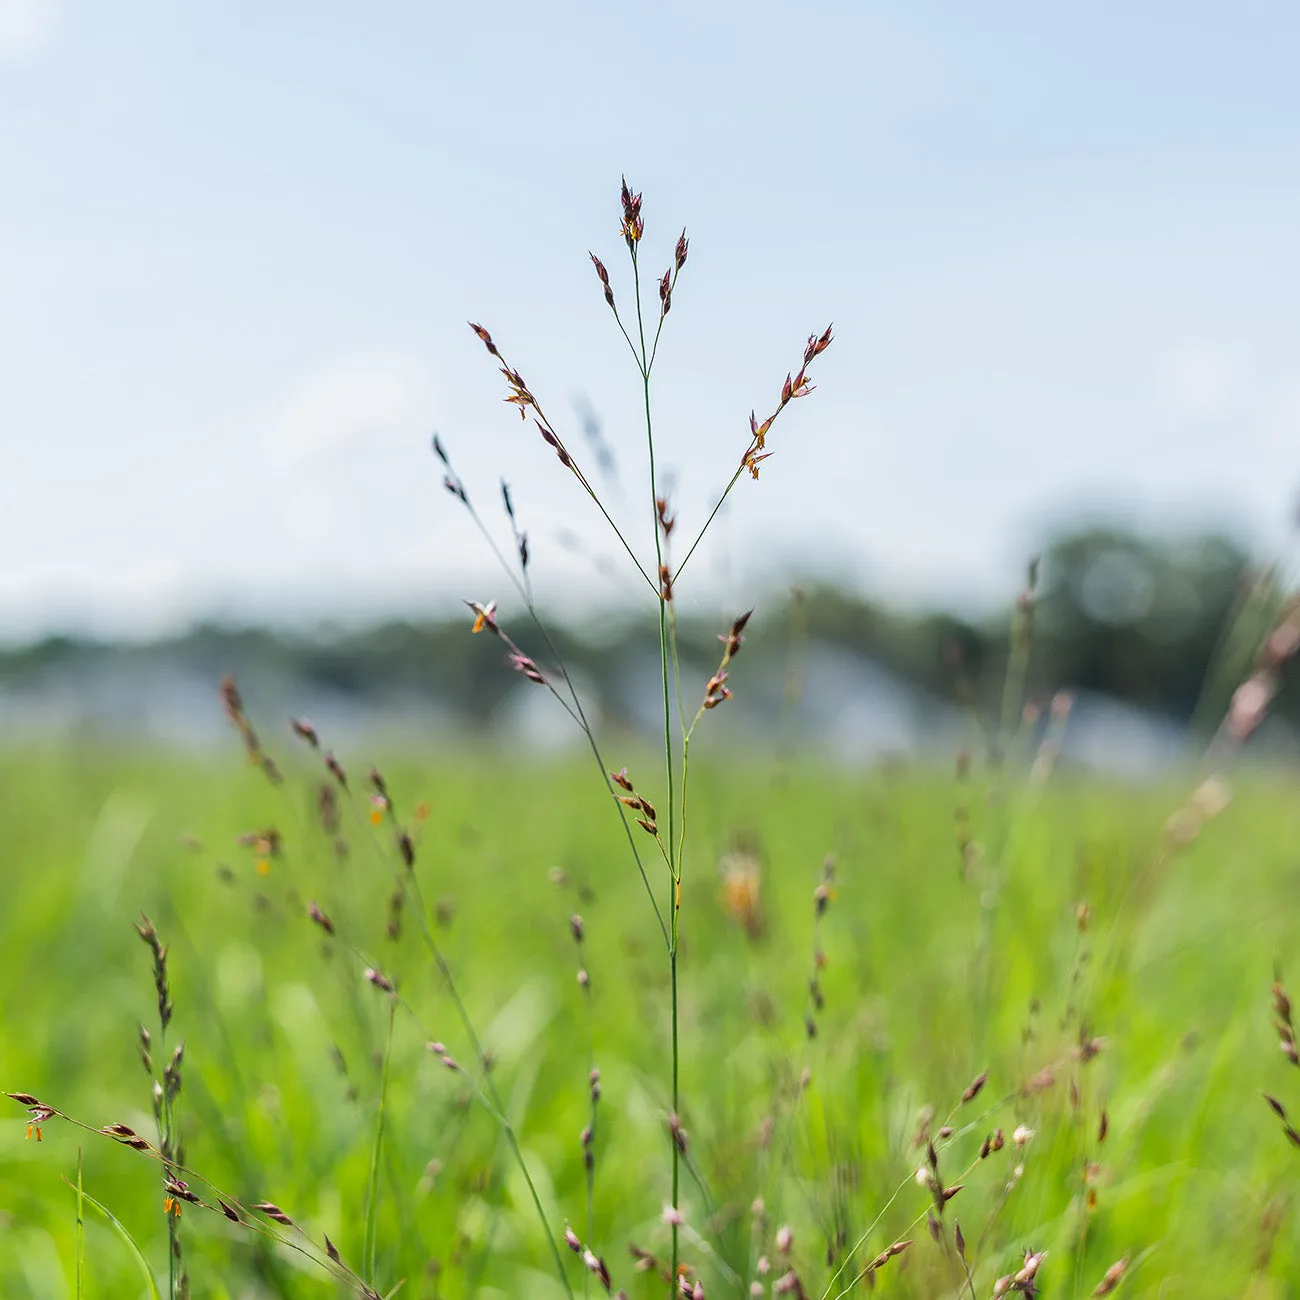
(677, 1132)
(1113, 1276)
(604, 279)
(633, 226)
(305, 731)
(273, 1211)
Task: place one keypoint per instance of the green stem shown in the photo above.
(676, 1113)
(489, 1093)
(498, 1107)
(81, 1229)
(167, 1141)
(600, 505)
(654, 347)
(576, 712)
(699, 537)
(577, 473)
(372, 1187)
(635, 356)
(132, 1245)
(589, 1155)
(664, 654)
(674, 862)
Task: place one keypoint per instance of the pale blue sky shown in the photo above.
(239, 242)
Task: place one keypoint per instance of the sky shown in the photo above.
(239, 245)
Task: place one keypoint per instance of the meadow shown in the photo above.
(1058, 934)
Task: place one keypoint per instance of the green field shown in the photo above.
(932, 974)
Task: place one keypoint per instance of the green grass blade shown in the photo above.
(120, 1228)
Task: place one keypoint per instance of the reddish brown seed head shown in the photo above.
(485, 338)
(522, 664)
(604, 278)
(273, 1211)
(319, 917)
(406, 847)
(1114, 1275)
(305, 731)
(633, 226)
(666, 521)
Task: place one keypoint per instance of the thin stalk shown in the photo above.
(685, 731)
(589, 1153)
(498, 1107)
(582, 478)
(970, 1279)
(591, 492)
(663, 316)
(674, 865)
(229, 1202)
(622, 330)
(411, 882)
(171, 1256)
(581, 717)
(81, 1229)
(132, 1245)
(483, 1256)
(686, 771)
(970, 1126)
(487, 1095)
(372, 1182)
(672, 961)
(677, 669)
(815, 346)
(167, 1141)
(664, 652)
(699, 537)
(911, 1227)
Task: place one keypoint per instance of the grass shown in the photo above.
(285, 1043)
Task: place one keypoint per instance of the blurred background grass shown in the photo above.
(284, 1037)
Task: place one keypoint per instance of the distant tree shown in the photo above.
(1138, 617)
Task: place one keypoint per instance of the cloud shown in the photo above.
(26, 27)
(369, 400)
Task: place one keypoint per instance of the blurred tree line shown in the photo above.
(1168, 624)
